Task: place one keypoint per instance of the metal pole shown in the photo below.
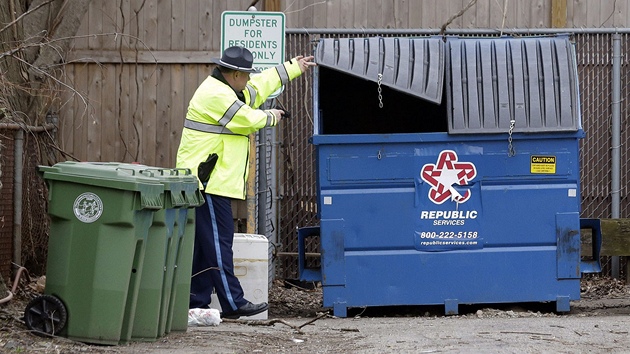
(18, 170)
(274, 197)
(261, 189)
(616, 139)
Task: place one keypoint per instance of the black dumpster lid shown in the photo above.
(411, 65)
(491, 81)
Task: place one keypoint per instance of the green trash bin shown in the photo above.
(177, 315)
(100, 220)
(160, 263)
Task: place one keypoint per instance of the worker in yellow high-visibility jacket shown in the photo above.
(215, 145)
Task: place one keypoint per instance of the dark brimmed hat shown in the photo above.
(237, 58)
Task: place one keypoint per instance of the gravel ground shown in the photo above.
(599, 322)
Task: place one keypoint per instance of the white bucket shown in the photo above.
(251, 267)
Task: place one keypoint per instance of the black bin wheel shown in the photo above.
(45, 315)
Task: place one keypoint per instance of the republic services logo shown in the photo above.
(445, 174)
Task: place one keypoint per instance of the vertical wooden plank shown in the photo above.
(620, 20)
(94, 127)
(539, 15)
(468, 18)
(84, 110)
(440, 10)
(272, 5)
(360, 15)
(320, 17)
(570, 9)
(81, 41)
(150, 18)
(163, 25)
(206, 19)
(191, 25)
(448, 9)
(305, 15)
(123, 16)
(95, 18)
(110, 139)
(482, 14)
(374, 15)
(416, 14)
(127, 134)
(454, 7)
(607, 13)
(593, 9)
(135, 112)
(108, 26)
(402, 13)
(178, 26)
(290, 13)
(511, 14)
(135, 23)
(496, 14)
(149, 113)
(388, 14)
(217, 10)
(179, 105)
(558, 13)
(68, 110)
(163, 117)
(163, 83)
(119, 24)
(333, 8)
(346, 14)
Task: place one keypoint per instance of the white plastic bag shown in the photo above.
(204, 317)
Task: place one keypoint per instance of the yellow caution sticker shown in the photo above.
(543, 164)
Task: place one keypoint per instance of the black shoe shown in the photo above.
(248, 309)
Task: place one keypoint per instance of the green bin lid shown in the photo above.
(111, 176)
(181, 187)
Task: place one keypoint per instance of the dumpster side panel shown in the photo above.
(431, 221)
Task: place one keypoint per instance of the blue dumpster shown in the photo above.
(448, 172)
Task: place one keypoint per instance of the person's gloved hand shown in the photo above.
(286, 113)
(278, 113)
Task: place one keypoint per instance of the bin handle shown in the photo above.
(172, 171)
(187, 171)
(158, 170)
(133, 172)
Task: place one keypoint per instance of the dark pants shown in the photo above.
(213, 264)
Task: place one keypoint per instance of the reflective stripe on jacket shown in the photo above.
(218, 122)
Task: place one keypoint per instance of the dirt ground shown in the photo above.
(599, 322)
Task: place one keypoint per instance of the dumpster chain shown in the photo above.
(511, 151)
(380, 91)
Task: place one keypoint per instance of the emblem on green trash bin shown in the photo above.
(88, 207)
